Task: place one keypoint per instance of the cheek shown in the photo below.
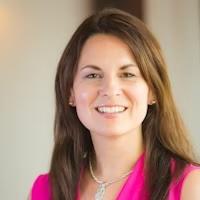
(143, 95)
(81, 99)
(83, 96)
(140, 94)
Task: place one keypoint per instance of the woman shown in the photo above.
(118, 134)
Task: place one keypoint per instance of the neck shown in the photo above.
(116, 156)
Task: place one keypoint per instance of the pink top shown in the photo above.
(133, 189)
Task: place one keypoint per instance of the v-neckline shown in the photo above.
(139, 163)
(132, 177)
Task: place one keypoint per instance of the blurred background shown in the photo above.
(33, 35)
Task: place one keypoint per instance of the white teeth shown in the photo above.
(114, 109)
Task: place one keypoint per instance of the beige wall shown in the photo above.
(176, 23)
(32, 36)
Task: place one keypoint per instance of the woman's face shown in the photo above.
(110, 95)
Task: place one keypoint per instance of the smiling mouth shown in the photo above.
(111, 109)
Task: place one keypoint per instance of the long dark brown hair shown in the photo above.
(163, 131)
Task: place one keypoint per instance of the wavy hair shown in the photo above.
(163, 131)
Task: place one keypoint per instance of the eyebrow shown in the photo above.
(99, 69)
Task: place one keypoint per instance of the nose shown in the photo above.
(110, 87)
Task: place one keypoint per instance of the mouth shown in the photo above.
(111, 109)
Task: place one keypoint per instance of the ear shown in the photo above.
(151, 98)
(72, 99)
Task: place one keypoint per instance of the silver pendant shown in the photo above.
(100, 191)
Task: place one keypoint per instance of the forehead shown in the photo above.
(105, 49)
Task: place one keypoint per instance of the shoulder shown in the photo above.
(191, 185)
(186, 185)
(40, 188)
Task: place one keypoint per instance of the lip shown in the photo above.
(110, 105)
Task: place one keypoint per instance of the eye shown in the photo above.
(93, 75)
(127, 75)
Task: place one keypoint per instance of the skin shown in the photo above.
(119, 134)
(191, 186)
(115, 80)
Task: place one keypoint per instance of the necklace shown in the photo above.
(103, 184)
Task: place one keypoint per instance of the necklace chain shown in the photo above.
(103, 184)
